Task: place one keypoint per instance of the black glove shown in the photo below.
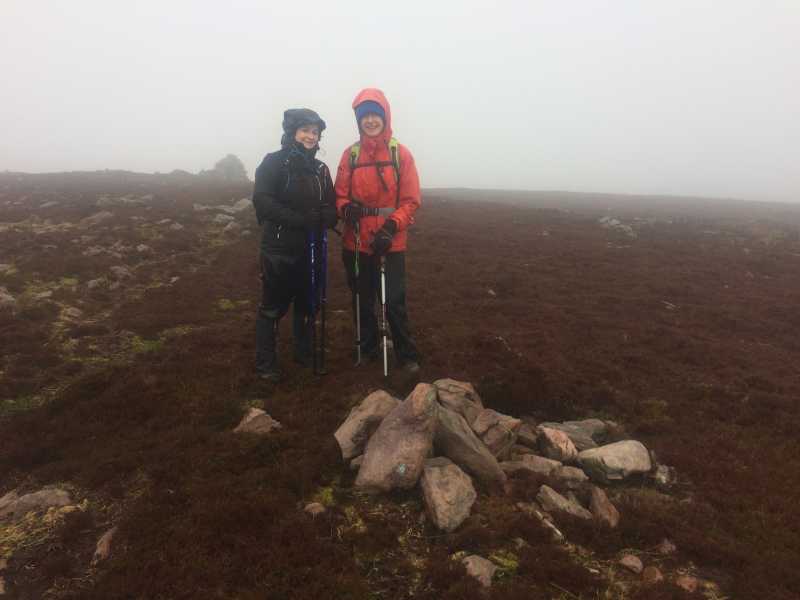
(381, 242)
(313, 220)
(351, 213)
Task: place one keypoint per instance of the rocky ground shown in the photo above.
(126, 317)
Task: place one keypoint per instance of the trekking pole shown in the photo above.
(312, 316)
(323, 298)
(357, 230)
(383, 316)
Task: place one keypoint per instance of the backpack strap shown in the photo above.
(355, 152)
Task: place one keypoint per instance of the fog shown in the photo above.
(687, 97)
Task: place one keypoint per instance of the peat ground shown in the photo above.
(686, 334)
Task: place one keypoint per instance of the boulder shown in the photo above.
(497, 431)
(257, 421)
(13, 506)
(527, 436)
(571, 477)
(556, 444)
(632, 563)
(553, 502)
(460, 397)
(480, 568)
(103, 549)
(530, 463)
(448, 493)
(395, 454)
(362, 421)
(584, 434)
(602, 509)
(455, 440)
(615, 462)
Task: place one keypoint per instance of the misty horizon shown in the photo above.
(684, 99)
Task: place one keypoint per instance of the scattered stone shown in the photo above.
(245, 233)
(615, 462)
(355, 464)
(481, 569)
(554, 502)
(43, 295)
(95, 283)
(176, 227)
(664, 477)
(5, 268)
(666, 547)
(120, 272)
(315, 508)
(455, 440)
(6, 299)
(602, 509)
(362, 421)
(222, 219)
(652, 575)
(242, 204)
(14, 506)
(572, 477)
(527, 436)
(143, 248)
(531, 463)
(50, 204)
(556, 444)
(72, 314)
(518, 450)
(93, 251)
(584, 434)
(231, 227)
(257, 421)
(687, 582)
(632, 563)
(460, 397)
(448, 493)
(164, 222)
(396, 452)
(103, 549)
(200, 207)
(497, 431)
(97, 218)
(545, 519)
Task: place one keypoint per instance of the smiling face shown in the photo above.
(308, 135)
(371, 124)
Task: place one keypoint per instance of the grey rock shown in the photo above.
(615, 462)
(572, 477)
(176, 227)
(481, 569)
(5, 268)
(362, 421)
(664, 477)
(584, 434)
(554, 502)
(231, 227)
(602, 509)
(121, 272)
(97, 218)
(460, 397)
(545, 519)
(243, 204)
(632, 563)
(257, 421)
(447, 492)
(527, 436)
(530, 463)
(13, 506)
(222, 219)
(6, 299)
(497, 431)
(556, 444)
(455, 440)
(395, 454)
(95, 283)
(103, 549)
(143, 249)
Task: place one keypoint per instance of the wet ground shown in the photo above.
(679, 321)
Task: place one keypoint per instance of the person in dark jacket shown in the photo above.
(294, 199)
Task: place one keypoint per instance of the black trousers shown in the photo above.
(285, 282)
(369, 287)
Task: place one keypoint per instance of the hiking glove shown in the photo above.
(351, 213)
(381, 242)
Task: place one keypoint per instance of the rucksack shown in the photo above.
(355, 151)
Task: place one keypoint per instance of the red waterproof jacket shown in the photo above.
(367, 187)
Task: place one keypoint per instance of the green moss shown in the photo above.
(68, 281)
(225, 304)
(507, 562)
(12, 406)
(141, 346)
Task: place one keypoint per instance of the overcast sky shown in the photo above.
(662, 97)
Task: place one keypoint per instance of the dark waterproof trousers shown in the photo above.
(285, 280)
(369, 286)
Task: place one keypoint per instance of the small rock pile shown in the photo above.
(443, 439)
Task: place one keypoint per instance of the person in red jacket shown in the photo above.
(377, 188)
